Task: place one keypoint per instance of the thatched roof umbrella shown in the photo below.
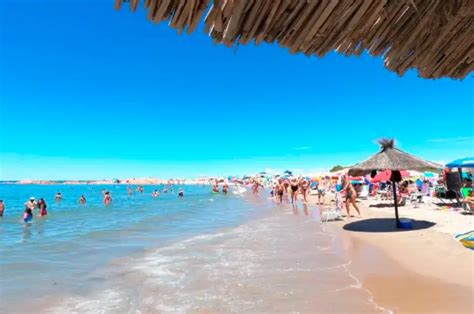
(391, 158)
(432, 36)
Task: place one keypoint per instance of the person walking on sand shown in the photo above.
(82, 200)
(351, 196)
(304, 186)
(42, 207)
(294, 187)
(280, 190)
(107, 198)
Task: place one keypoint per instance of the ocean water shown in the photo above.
(201, 253)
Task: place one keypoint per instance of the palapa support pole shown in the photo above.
(396, 203)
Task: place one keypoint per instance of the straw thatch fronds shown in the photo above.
(433, 36)
(392, 158)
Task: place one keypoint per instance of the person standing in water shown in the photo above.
(351, 196)
(42, 207)
(2, 208)
(82, 200)
(107, 198)
(29, 209)
(155, 194)
(181, 192)
(225, 188)
(58, 198)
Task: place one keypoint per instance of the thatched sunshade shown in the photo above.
(432, 36)
(391, 158)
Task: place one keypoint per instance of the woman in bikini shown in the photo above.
(42, 207)
(294, 187)
(351, 196)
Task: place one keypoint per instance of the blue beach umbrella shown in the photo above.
(462, 163)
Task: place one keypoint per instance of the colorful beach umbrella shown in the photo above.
(383, 176)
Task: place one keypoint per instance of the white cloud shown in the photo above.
(302, 148)
(459, 139)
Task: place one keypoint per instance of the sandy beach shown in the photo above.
(416, 271)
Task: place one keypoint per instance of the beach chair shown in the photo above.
(364, 193)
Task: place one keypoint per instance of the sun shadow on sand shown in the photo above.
(384, 225)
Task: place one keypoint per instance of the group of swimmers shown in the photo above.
(215, 188)
(32, 204)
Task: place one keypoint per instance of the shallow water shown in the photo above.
(204, 252)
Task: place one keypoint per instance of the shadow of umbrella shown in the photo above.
(376, 225)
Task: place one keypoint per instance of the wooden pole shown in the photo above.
(396, 203)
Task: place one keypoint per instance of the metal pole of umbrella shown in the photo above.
(394, 188)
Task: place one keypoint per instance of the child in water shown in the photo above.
(42, 207)
(107, 198)
(28, 215)
(82, 200)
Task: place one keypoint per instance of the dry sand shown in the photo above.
(418, 271)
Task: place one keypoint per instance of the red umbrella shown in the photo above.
(383, 176)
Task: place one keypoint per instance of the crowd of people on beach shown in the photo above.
(289, 189)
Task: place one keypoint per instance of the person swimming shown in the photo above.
(181, 193)
(107, 198)
(155, 193)
(42, 207)
(58, 198)
(82, 200)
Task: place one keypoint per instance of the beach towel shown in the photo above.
(466, 239)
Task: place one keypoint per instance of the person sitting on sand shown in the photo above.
(42, 207)
(107, 198)
(351, 196)
(82, 200)
(58, 198)
(469, 200)
(2, 208)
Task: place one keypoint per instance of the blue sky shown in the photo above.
(89, 92)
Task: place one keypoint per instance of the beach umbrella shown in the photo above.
(462, 163)
(385, 175)
(391, 158)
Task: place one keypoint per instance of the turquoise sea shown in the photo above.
(204, 252)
